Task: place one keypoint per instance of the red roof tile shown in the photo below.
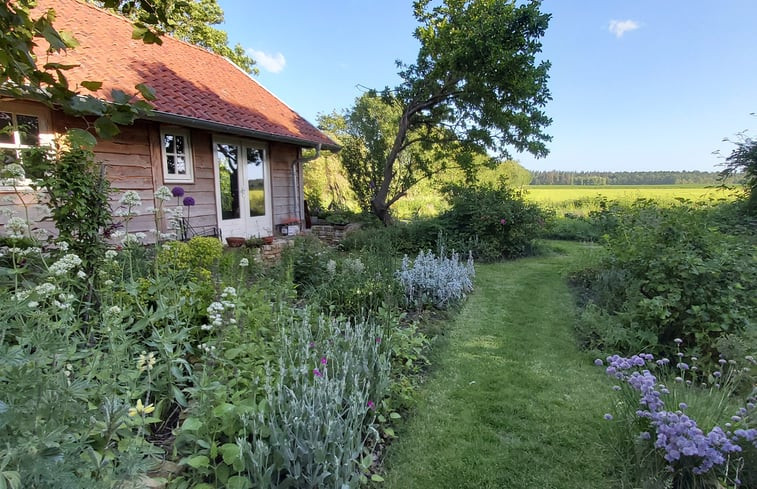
(189, 81)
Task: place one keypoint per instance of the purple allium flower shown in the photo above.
(598, 362)
(371, 405)
(722, 361)
(608, 417)
(644, 435)
(188, 201)
(678, 341)
(177, 191)
(324, 361)
(736, 419)
(682, 406)
(663, 361)
(682, 366)
(311, 344)
(616, 387)
(679, 379)
(317, 373)
(717, 374)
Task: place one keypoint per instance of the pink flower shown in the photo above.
(378, 340)
(324, 361)
(371, 405)
(317, 373)
(503, 221)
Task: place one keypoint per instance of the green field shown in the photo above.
(582, 199)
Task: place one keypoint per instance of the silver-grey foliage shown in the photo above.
(330, 375)
(436, 281)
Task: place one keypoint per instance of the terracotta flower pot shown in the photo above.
(267, 240)
(234, 241)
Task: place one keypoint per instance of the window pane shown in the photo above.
(28, 128)
(256, 181)
(171, 165)
(228, 174)
(179, 144)
(181, 166)
(168, 143)
(6, 128)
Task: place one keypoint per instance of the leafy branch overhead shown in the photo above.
(476, 86)
(23, 76)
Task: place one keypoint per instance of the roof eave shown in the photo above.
(180, 120)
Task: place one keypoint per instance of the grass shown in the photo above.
(512, 403)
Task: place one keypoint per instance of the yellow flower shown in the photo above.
(141, 409)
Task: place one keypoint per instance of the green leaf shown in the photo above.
(68, 38)
(79, 138)
(377, 478)
(238, 482)
(230, 453)
(106, 128)
(394, 415)
(198, 461)
(192, 424)
(147, 92)
(389, 432)
(92, 86)
(119, 96)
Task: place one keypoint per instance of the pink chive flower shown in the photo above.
(378, 340)
(371, 405)
(317, 373)
(324, 361)
(503, 221)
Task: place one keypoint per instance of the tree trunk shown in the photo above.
(381, 210)
(379, 202)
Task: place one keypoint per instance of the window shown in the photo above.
(177, 156)
(21, 126)
(17, 131)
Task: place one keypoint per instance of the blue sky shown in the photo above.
(636, 84)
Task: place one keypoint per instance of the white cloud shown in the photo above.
(269, 62)
(620, 27)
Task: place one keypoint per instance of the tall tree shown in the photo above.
(192, 21)
(476, 87)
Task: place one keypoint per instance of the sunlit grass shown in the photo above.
(512, 403)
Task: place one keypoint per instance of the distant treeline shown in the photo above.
(555, 177)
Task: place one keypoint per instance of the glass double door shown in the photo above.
(243, 188)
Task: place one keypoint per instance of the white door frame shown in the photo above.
(244, 225)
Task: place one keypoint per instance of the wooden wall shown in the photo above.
(133, 161)
(282, 182)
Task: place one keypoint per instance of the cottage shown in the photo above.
(216, 132)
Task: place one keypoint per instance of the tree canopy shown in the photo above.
(476, 87)
(192, 21)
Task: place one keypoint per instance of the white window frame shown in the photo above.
(189, 159)
(45, 137)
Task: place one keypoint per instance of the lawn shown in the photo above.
(511, 402)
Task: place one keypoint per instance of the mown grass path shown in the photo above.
(511, 403)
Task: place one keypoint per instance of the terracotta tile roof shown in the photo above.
(189, 81)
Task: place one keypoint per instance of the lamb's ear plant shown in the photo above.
(437, 281)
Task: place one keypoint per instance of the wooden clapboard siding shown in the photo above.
(284, 202)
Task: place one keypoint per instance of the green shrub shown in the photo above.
(671, 273)
(492, 222)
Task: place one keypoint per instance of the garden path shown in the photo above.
(512, 402)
